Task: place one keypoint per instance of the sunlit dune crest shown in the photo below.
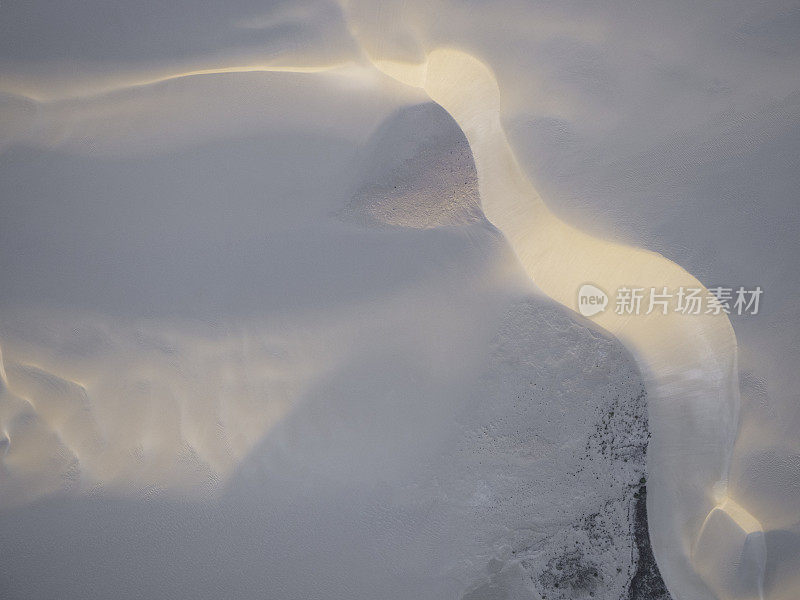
(689, 364)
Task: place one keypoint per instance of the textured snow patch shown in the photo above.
(418, 173)
(562, 442)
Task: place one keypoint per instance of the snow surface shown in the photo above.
(267, 316)
(424, 432)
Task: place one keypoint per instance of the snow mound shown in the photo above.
(418, 173)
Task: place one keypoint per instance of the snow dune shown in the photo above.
(154, 379)
(689, 363)
(265, 386)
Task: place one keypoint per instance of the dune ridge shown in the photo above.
(689, 363)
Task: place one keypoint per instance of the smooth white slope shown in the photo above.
(265, 396)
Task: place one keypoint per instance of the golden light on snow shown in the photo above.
(689, 362)
(173, 414)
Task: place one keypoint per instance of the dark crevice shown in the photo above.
(646, 583)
